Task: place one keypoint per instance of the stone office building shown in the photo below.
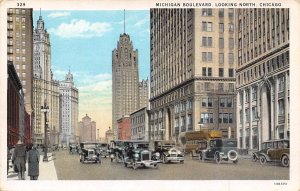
(192, 72)
(262, 76)
(20, 48)
(68, 105)
(125, 80)
(45, 88)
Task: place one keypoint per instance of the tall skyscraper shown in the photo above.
(125, 80)
(262, 76)
(69, 132)
(45, 88)
(192, 72)
(19, 49)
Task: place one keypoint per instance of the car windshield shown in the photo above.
(223, 143)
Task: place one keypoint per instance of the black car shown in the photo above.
(88, 153)
(166, 151)
(218, 149)
(137, 154)
(103, 149)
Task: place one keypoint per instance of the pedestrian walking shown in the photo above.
(33, 163)
(19, 159)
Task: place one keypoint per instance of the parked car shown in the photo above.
(218, 149)
(274, 151)
(167, 152)
(137, 154)
(88, 153)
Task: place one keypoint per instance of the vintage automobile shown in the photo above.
(274, 151)
(137, 154)
(218, 149)
(103, 149)
(89, 153)
(167, 152)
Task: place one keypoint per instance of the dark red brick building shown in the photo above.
(124, 128)
(18, 120)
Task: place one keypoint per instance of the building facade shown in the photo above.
(87, 130)
(20, 48)
(125, 80)
(45, 88)
(124, 128)
(18, 120)
(262, 76)
(140, 125)
(192, 71)
(109, 135)
(69, 131)
(144, 93)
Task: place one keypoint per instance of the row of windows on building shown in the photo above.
(17, 19)
(264, 68)
(208, 72)
(208, 42)
(209, 118)
(223, 102)
(138, 119)
(138, 130)
(208, 27)
(208, 12)
(208, 57)
(209, 86)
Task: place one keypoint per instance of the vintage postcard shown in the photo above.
(149, 95)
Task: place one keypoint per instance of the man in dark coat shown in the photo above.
(33, 163)
(19, 159)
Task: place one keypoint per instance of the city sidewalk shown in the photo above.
(47, 170)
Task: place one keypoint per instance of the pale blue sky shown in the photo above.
(83, 41)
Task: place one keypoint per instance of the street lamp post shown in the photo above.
(45, 109)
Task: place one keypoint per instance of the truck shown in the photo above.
(193, 137)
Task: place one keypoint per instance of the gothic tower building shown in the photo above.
(45, 88)
(125, 80)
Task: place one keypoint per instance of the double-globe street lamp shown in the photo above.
(45, 109)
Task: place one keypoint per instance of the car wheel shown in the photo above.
(125, 164)
(262, 160)
(235, 161)
(182, 161)
(156, 166)
(218, 158)
(285, 161)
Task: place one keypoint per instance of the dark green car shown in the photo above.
(274, 151)
(218, 149)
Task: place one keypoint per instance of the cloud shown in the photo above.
(59, 14)
(141, 22)
(81, 29)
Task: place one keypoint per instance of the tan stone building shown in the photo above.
(125, 80)
(109, 135)
(45, 88)
(140, 124)
(192, 72)
(144, 93)
(87, 129)
(69, 131)
(262, 76)
(20, 48)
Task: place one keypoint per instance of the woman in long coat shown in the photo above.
(33, 163)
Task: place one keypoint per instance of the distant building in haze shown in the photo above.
(87, 129)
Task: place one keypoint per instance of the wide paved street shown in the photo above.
(68, 167)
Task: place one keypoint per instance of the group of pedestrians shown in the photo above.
(19, 157)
